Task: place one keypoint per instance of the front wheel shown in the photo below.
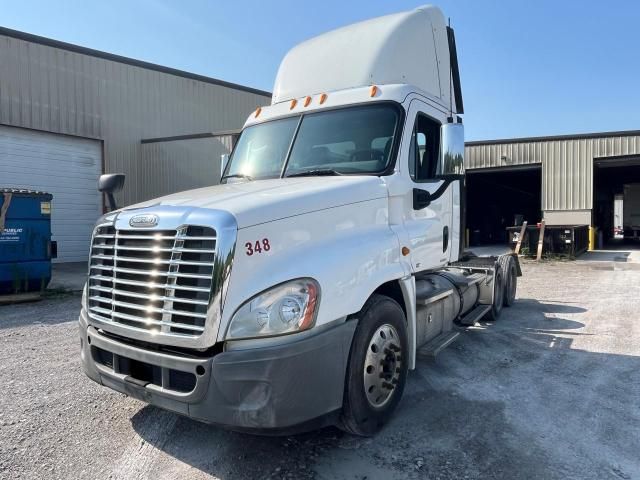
(377, 368)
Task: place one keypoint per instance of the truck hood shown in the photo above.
(262, 201)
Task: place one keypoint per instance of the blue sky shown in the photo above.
(528, 67)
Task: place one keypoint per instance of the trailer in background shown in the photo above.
(560, 240)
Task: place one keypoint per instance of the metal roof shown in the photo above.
(29, 37)
(577, 136)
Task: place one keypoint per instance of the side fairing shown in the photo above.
(457, 223)
(350, 250)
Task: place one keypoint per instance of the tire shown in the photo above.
(379, 347)
(498, 295)
(508, 265)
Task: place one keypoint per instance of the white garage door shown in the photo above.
(66, 167)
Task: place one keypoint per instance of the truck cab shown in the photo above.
(300, 291)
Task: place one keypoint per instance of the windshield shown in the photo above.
(353, 140)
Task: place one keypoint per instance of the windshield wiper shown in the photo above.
(237, 175)
(315, 173)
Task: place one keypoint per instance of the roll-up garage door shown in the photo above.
(68, 168)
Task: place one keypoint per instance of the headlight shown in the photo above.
(286, 308)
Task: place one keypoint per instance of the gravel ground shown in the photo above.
(552, 390)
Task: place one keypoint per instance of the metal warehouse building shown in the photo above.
(567, 180)
(68, 114)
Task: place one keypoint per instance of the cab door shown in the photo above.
(428, 203)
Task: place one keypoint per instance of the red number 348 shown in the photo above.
(258, 246)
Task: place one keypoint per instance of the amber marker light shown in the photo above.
(293, 104)
(405, 251)
(258, 110)
(307, 101)
(323, 98)
(373, 90)
(309, 314)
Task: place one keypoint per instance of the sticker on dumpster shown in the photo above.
(12, 235)
(45, 208)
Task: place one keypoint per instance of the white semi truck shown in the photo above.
(300, 291)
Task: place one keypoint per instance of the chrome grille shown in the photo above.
(158, 281)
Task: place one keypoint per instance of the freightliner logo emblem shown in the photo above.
(148, 220)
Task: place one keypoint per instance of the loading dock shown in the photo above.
(611, 175)
(569, 180)
(501, 198)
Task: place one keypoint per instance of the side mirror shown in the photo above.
(451, 160)
(109, 183)
(421, 199)
(224, 159)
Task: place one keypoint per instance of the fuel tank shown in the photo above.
(442, 297)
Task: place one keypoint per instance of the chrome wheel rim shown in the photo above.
(382, 365)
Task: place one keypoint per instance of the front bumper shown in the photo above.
(269, 388)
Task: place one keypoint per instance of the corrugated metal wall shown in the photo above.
(567, 163)
(61, 91)
(182, 165)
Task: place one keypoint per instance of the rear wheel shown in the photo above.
(510, 271)
(377, 368)
(498, 294)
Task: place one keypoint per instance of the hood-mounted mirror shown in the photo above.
(109, 183)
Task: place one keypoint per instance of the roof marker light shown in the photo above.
(258, 110)
(373, 90)
(323, 98)
(307, 101)
(294, 102)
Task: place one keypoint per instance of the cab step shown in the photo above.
(435, 346)
(474, 315)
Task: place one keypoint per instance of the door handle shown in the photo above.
(445, 238)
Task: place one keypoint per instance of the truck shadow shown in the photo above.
(528, 314)
(510, 400)
(226, 454)
(533, 305)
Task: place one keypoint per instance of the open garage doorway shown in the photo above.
(501, 198)
(616, 202)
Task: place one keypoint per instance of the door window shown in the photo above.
(424, 150)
